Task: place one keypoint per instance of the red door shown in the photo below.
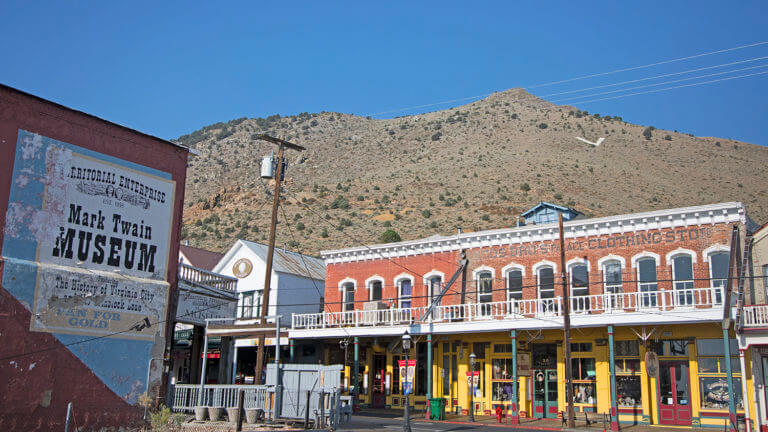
(379, 380)
(674, 394)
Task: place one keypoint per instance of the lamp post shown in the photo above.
(472, 358)
(406, 414)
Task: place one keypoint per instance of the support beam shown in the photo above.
(355, 374)
(429, 374)
(234, 364)
(729, 372)
(744, 389)
(514, 414)
(612, 366)
(290, 344)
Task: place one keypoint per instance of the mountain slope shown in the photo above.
(477, 166)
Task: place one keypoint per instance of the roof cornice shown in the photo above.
(723, 213)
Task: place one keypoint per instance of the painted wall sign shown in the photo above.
(98, 230)
(242, 268)
(195, 308)
(594, 243)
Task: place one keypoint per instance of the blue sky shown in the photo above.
(170, 68)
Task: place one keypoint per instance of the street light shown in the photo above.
(472, 358)
(406, 415)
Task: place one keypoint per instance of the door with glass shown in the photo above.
(379, 380)
(674, 394)
(545, 393)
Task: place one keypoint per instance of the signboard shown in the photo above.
(473, 379)
(96, 230)
(407, 379)
(523, 364)
(195, 308)
(652, 364)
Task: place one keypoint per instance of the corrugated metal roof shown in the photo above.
(286, 261)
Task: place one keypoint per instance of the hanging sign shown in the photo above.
(523, 363)
(473, 376)
(406, 375)
(652, 364)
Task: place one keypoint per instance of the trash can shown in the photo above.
(437, 409)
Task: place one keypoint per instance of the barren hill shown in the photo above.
(477, 166)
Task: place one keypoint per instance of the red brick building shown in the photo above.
(90, 216)
(640, 284)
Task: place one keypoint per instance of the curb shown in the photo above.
(543, 428)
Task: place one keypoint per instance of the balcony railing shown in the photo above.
(609, 303)
(755, 316)
(199, 276)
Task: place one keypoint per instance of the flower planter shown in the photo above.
(215, 413)
(201, 413)
(232, 415)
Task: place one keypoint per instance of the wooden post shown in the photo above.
(566, 328)
(240, 403)
(321, 423)
(306, 411)
(271, 251)
(514, 416)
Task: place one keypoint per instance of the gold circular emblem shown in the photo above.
(242, 268)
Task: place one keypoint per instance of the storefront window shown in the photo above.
(668, 348)
(396, 390)
(714, 392)
(583, 370)
(628, 391)
(627, 348)
(502, 391)
(713, 380)
(502, 369)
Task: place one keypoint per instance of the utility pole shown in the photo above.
(271, 251)
(566, 327)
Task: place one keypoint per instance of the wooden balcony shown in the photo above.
(198, 276)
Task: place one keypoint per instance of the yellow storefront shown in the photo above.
(690, 389)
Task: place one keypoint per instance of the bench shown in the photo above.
(590, 418)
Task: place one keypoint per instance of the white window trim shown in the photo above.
(543, 263)
(428, 286)
(341, 289)
(536, 268)
(680, 251)
(369, 282)
(505, 271)
(609, 259)
(645, 254)
(712, 250)
(399, 278)
(612, 257)
(476, 275)
(572, 263)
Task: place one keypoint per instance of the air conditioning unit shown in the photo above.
(372, 317)
(375, 305)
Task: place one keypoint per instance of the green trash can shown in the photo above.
(437, 409)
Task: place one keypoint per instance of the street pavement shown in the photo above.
(381, 422)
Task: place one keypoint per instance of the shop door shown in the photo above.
(674, 394)
(545, 393)
(379, 380)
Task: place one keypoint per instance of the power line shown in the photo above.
(672, 88)
(546, 84)
(656, 84)
(656, 77)
(648, 65)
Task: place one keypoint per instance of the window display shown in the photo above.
(628, 391)
(502, 391)
(584, 393)
(714, 392)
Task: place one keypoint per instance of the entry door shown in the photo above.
(545, 393)
(379, 380)
(674, 394)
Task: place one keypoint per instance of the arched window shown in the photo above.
(718, 273)
(348, 291)
(647, 282)
(682, 276)
(579, 288)
(515, 284)
(434, 286)
(405, 290)
(546, 286)
(484, 290)
(612, 282)
(376, 288)
(546, 279)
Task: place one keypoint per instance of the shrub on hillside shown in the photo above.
(389, 236)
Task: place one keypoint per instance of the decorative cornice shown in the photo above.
(723, 213)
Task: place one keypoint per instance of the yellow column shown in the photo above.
(647, 390)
